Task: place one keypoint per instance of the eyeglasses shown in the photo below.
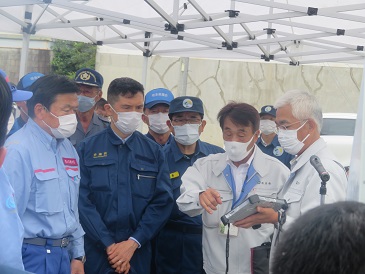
(282, 127)
(182, 122)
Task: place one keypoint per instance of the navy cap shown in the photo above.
(158, 96)
(89, 77)
(270, 110)
(18, 95)
(186, 103)
(28, 79)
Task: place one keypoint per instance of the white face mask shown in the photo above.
(10, 122)
(187, 134)
(127, 122)
(67, 127)
(158, 122)
(288, 139)
(267, 127)
(237, 151)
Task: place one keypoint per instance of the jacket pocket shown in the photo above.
(144, 178)
(293, 195)
(213, 220)
(74, 185)
(102, 174)
(48, 199)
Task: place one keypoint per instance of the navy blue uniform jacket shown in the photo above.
(125, 191)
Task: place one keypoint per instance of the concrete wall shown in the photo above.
(217, 82)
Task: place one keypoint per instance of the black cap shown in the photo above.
(270, 110)
(89, 77)
(186, 104)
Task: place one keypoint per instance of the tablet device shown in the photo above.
(248, 207)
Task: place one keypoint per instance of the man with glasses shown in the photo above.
(43, 168)
(299, 120)
(268, 141)
(179, 243)
(90, 83)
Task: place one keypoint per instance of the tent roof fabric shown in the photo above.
(289, 31)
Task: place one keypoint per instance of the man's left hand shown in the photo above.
(263, 215)
(77, 267)
(121, 253)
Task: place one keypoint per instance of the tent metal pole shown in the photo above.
(26, 38)
(183, 76)
(24, 55)
(144, 71)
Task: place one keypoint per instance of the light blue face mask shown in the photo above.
(85, 103)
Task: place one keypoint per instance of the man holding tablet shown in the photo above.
(218, 183)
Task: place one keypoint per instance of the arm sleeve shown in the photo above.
(159, 209)
(20, 173)
(193, 183)
(89, 217)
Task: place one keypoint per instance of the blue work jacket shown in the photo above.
(125, 190)
(45, 175)
(275, 150)
(178, 164)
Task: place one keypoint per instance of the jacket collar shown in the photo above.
(301, 160)
(178, 154)
(258, 163)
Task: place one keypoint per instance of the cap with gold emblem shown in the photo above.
(90, 77)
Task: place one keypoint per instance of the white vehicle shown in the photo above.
(338, 131)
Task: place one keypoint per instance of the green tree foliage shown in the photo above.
(69, 56)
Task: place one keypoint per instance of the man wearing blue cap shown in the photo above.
(90, 83)
(268, 141)
(24, 84)
(156, 110)
(179, 243)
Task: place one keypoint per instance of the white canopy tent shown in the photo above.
(285, 31)
(288, 31)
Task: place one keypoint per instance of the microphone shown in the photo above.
(316, 163)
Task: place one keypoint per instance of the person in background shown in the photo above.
(43, 168)
(185, 255)
(24, 84)
(90, 83)
(156, 109)
(125, 194)
(268, 141)
(11, 229)
(324, 240)
(100, 110)
(218, 183)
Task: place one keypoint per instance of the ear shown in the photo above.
(2, 155)
(39, 111)
(168, 123)
(312, 126)
(108, 110)
(202, 126)
(145, 119)
(98, 97)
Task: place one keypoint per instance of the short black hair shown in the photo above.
(123, 86)
(240, 114)
(101, 103)
(324, 240)
(6, 102)
(46, 88)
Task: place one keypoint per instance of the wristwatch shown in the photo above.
(82, 259)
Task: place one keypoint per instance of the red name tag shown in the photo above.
(69, 161)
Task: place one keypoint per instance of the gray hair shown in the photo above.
(304, 106)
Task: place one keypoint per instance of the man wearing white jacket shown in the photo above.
(217, 183)
(299, 119)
